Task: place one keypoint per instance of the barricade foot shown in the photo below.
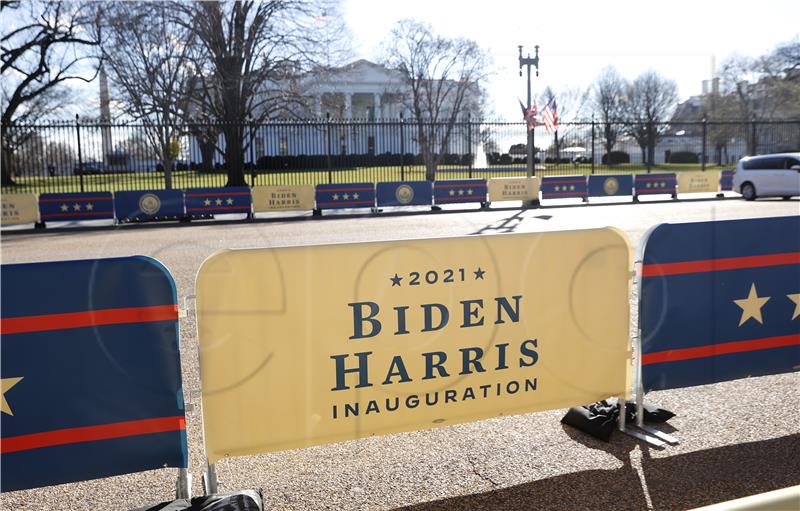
(39, 225)
(436, 208)
(635, 198)
(316, 212)
(183, 486)
(210, 483)
(720, 196)
(651, 440)
(659, 434)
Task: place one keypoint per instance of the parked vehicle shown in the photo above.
(90, 167)
(769, 175)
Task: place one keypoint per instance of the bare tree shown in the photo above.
(607, 100)
(41, 49)
(255, 51)
(649, 102)
(147, 55)
(443, 79)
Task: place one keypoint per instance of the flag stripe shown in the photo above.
(26, 324)
(720, 349)
(331, 190)
(729, 263)
(341, 202)
(216, 194)
(92, 433)
(217, 208)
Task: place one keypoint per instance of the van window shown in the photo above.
(764, 163)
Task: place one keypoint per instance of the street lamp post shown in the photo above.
(528, 61)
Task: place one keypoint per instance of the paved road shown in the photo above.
(737, 438)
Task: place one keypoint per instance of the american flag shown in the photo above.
(529, 114)
(550, 116)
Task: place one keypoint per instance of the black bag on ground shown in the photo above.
(246, 500)
(597, 419)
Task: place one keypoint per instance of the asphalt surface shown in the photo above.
(737, 438)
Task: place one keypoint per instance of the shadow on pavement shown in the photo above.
(682, 481)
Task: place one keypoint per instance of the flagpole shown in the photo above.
(531, 135)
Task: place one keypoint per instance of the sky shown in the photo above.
(682, 40)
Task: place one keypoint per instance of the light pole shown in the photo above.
(528, 61)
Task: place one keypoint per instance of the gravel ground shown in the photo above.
(737, 438)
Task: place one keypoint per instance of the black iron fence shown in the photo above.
(84, 155)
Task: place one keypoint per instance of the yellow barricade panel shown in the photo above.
(283, 198)
(19, 208)
(513, 188)
(696, 181)
(310, 345)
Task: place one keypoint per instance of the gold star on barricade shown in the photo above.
(461, 192)
(556, 188)
(751, 306)
(796, 299)
(64, 207)
(648, 185)
(5, 385)
(469, 191)
(76, 207)
(346, 196)
(207, 202)
(218, 202)
(663, 184)
(89, 206)
(335, 196)
(229, 201)
(452, 192)
(572, 188)
(355, 196)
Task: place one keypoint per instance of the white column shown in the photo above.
(348, 106)
(378, 117)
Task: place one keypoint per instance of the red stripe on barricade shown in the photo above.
(216, 208)
(725, 348)
(547, 195)
(729, 263)
(566, 182)
(63, 321)
(464, 198)
(92, 433)
(331, 190)
(461, 185)
(216, 194)
(347, 203)
(76, 199)
(80, 213)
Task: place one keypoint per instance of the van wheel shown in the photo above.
(748, 191)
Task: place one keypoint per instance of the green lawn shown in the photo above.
(191, 179)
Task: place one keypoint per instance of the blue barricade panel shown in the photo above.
(143, 205)
(655, 184)
(218, 201)
(618, 185)
(720, 301)
(91, 374)
(345, 195)
(404, 193)
(564, 187)
(726, 180)
(459, 191)
(67, 207)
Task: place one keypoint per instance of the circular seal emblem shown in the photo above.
(404, 194)
(611, 186)
(149, 204)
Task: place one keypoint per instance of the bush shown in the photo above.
(615, 157)
(505, 159)
(683, 157)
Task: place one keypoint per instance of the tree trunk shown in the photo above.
(234, 155)
(7, 166)
(207, 150)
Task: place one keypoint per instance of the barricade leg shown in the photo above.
(210, 483)
(655, 442)
(183, 486)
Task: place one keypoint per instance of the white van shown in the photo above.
(776, 175)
